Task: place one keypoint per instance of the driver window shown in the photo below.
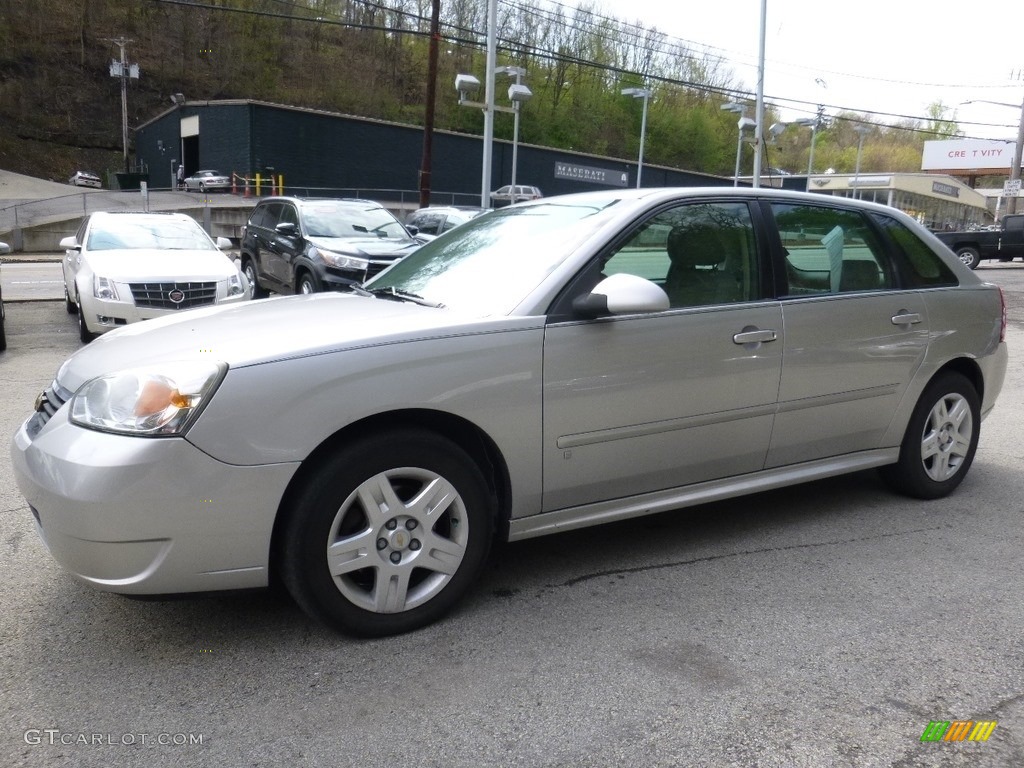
(700, 254)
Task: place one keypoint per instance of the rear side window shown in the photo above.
(923, 267)
(830, 251)
(263, 216)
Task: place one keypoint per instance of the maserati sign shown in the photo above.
(591, 175)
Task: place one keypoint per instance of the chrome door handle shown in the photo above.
(906, 318)
(754, 336)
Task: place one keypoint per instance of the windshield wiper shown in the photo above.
(394, 294)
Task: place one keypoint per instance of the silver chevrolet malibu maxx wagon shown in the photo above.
(543, 367)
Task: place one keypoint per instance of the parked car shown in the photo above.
(207, 181)
(86, 179)
(436, 219)
(504, 195)
(299, 245)
(1005, 242)
(541, 368)
(123, 267)
(4, 249)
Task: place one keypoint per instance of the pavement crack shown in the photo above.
(744, 553)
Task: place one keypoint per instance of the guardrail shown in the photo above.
(38, 225)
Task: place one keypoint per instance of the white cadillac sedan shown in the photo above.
(543, 367)
(124, 267)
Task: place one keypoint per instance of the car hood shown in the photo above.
(370, 247)
(160, 265)
(272, 329)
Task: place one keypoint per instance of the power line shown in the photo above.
(512, 46)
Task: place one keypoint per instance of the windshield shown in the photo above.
(334, 219)
(137, 233)
(489, 264)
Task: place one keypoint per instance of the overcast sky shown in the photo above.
(891, 56)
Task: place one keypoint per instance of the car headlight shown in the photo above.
(235, 285)
(156, 401)
(341, 261)
(104, 288)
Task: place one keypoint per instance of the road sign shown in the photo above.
(1011, 188)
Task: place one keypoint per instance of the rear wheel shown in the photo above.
(940, 441)
(387, 534)
(969, 256)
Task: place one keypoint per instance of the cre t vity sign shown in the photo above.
(967, 155)
(591, 175)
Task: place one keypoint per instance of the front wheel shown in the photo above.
(249, 270)
(387, 534)
(969, 256)
(83, 329)
(940, 440)
(306, 284)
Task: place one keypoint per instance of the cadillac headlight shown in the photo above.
(104, 288)
(343, 262)
(157, 401)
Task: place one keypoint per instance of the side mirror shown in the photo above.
(223, 243)
(621, 294)
(4, 248)
(286, 228)
(69, 243)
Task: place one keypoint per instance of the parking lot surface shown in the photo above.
(821, 625)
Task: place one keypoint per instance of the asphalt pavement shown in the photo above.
(820, 626)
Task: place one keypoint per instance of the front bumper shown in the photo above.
(106, 315)
(147, 516)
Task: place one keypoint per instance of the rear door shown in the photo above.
(854, 337)
(643, 403)
(281, 252)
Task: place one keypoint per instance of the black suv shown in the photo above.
(305, 245)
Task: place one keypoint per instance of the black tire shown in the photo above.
(83, 330)
(249, 270)
(406, 582)
(202, 186)
(941, 439)
(69, 305)
(3, 333)
(306, 283)
(969, 256)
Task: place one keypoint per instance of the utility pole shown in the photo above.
(428, 121)
(123, 70)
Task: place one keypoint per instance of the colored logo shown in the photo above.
(958, 730)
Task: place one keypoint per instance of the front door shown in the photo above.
(643, 403)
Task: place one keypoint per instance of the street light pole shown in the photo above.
(517, 93)
(744, 122)
(1017, 157)
(492, 57)
(813, 123)
(861, 130)
(645, 94)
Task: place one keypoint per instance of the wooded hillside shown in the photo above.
(60, 109)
